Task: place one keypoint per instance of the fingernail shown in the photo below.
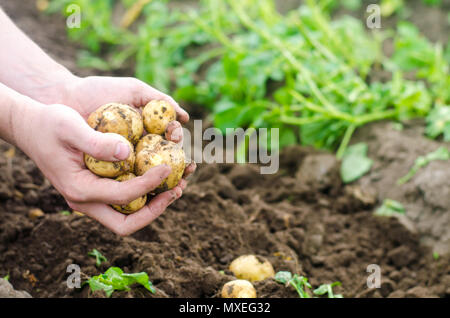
(122, 151)
(177, 134)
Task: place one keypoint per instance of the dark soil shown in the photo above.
(312, 225)
(426, 197)
(303, 219)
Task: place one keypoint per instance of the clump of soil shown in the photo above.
(426, 197)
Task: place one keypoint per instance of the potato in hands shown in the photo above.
(151, 150)
(118, 118)
(133, 206)
(157, 115)
(109, 169)
(162, 152)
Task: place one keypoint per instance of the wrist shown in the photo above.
(17, 114)
(24, 116)
(53, 87)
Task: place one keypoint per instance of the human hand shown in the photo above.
(87, 94)
(56, 136)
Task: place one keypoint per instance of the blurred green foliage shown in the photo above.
(302, 72)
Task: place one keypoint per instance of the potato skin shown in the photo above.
(118, 118)
(163, 152)
(111, 169)
(238, 289)
(251, 268)
(149, 140)
(157, 115)
(133, 206)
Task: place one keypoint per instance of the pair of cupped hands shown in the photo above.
(58, 135)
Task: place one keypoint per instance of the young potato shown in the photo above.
(118, 118)
(163, 152)
(252, 268)
(157, 115)
(133, 206)
(148, 141)
(238, 289)
(111, 169)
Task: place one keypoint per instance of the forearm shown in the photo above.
(17, 113)
(26, 68)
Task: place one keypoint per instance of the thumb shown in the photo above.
(101, 146)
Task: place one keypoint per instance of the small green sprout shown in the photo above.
(436, 256)
(115, 279)
(300, 283)
(99, 258)
(6, 277)
(66, 213)
(441, 153)
(328, 289)
(390, 208)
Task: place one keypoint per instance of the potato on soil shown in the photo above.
(118, 118)
(133, 206)
(111, 169)
(238, 289)
(157, 115)
(148, 141)
(251, 268)
(163, 152)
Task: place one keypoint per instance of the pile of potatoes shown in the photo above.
(247, 268)
(145, 151)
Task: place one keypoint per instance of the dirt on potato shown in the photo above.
(302, 219)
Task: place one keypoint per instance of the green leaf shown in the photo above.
(140, 278)
(327, 289)
(115, 279)
(283, 277)
(355, 163)
(287, 137)
(390, 208)
(95, 284)
(352, 5)
(433, 3)
(99, 258)
(438, 122)
(321, 290)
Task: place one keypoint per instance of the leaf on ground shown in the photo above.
(355, 163)
(390, 208)
(115, 279)
(283, 277)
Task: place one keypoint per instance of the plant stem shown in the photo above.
(345, 141)
(278, 44)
